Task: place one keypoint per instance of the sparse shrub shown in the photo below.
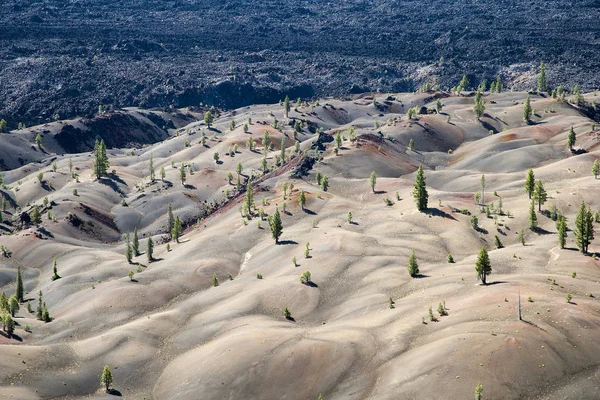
(305, 277)
(259, 276)
(574, 274)
(450, 259)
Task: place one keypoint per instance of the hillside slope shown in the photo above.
(168, 333)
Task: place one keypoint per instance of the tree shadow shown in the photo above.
(436, 212)
(114, 392)
(291, 319)
(309, 212)
(116, 177)
(379, 192)
(495, 283)
(482, 230)
(487, 126)
(190, 187)
(219, 162)
(577, 152)
(541, 231)
(112, 185)
(353, 223)
(420, 276)
(286, 242)
(312, 284)
(533, 324)
(46, 232)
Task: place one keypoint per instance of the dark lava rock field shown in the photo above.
(70, 56)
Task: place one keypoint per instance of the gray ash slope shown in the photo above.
(70, 56)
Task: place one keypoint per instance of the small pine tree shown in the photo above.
(55, 275)
(540, 194)
(163, 173)
(325, 183)
(150, 250)
(100, 164)
(170, 218)
(522, 237)
(450, 259)
(135, 246)
(497, 242)
(45, 314)
(39, 309)
(215, 280)
(276, 225)
(106, 378)
(479, 392)
(19, 292)
(530, 183)
(413, 267)
(411, 145)
(541, 79)
(286, 106)
(182, 174)
(287, 313)
(527, 110)
(36, 216)
(584, 228)
(13, 305)
(302, 199)
(532, 216)
(420, 190)
(305, 278)
(373, 181)
(479, 107)
(177, 229)
(562, 231)
(208, 118)
(595, 171)
(571, 139)
(151, 168)
(128, 249)
(483, 266)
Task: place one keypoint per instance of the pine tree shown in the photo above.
(128, 249)
(182, 174)
(595, 171)
(571, 139)
(177, 230)
(39, 309)
(101, 164)
(302, 199)
(276, 226)
(208, 118)
(325, 183)
(532, 216)
(584, 228)
(170, 218)
(249, 200)
(482, 184)
(527, 110)
(19, 292)
(522, 237)
(163, 174)
(151, 168)
(479, 392)
(136, 243)
(483, 266)
(562, 231)
(55, 275)
(463, 85)
(106, 378)
(541, 79)
(479, 106)
(36, 216)
(150, 250)
(530, 183)
(215, 280)
(413, 267)
(373, 181)
(13, 305)
(45, 314)
(438, 106)
(540, 194)
(286, 106)
(420, 190)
